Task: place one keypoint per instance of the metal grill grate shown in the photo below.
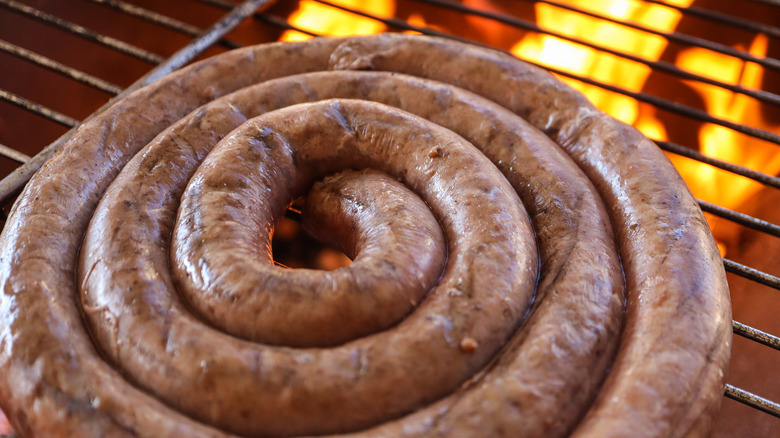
(220, 17)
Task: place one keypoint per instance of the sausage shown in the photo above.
(369, 215)
(55, 367)
(232, 196)
(99, 398)
(465, 112)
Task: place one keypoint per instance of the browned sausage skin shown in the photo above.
(250, 176)
(538, 161)
(54, 366)
(106, 392)
(679, 311)
(371, 216)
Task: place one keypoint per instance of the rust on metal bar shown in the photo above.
(760, 177)
(751, 273)
(13, 154)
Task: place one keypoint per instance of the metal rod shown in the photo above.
(752, 400)
(671, 36)
(719, 17)
(663, 66)
(644, 97)
(393, 22)
(282, 23)
(757, 335)
(62, 69)
(160, 19)
(757, 176)
(740, 218)
(263, 17)
(41, 110)
(674, 107)
(751, 273)
(112, 43)
(19, 177)
(13, 154)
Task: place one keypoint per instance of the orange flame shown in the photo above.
(724, 188)
(584, 61)
(706, 182)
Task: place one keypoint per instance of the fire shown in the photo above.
(584, 61)
(726, 189)
(706, 182)
(326, 20)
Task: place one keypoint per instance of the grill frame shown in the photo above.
(235, 13)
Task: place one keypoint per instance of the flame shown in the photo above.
(584, 61)
(718, 142)
(326, 20)
(706, 182)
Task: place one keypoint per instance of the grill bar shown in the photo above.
(282, 24)
(752, 400)
(763, 178)
(41, 110)
(60, 68)
(671, 36)
(718, 17)
(675, 107)
(740, 218)
(775, 3)
(159, 19)
(756, 335)
(643, 97)
(151, 16)
(83, 32)
(19, 177)
(269, 19)
(736, 217)
(751, 273)
(657, 65)
(395, 22)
